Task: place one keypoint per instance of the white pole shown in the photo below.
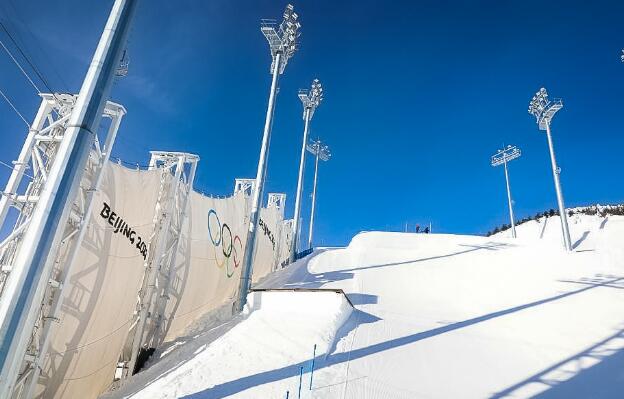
(511, 214)
(250, 242)
(71, 258)
(562, 212)
(296, 227)
(314, 199)
(25, 287)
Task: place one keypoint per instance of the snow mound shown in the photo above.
(436, 316)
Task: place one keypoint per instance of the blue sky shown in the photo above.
(419, 95)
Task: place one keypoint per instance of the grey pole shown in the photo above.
(296, 226)
(245, 279)
(282, 43)
(544, 109)
(310, 99)
(511, 214)
(313, 201)
(562, 211)
(27, 282)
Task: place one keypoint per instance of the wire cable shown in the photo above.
(45, 82)
(14, 109)
(36, 43)
(12, 168)
(20, 67)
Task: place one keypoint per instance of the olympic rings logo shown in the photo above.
(231, 246)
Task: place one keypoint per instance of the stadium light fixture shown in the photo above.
(282, 40)
(310, 99)
(320, 151)
(544, 109)
(502, 157)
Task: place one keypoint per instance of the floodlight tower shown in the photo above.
(310, 99)
(544, 109)
(320, 151)
(282, 40)
(503, 156)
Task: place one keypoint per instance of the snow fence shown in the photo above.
(99, 305)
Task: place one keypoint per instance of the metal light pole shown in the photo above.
(544, 109)
(310, 99)
(282, 40)
(502, 157)
(26, 285)
(320, 151)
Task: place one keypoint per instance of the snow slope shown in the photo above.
(437, 316)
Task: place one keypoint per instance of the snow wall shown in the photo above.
(99, 304)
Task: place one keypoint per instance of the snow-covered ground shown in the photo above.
(436, 316)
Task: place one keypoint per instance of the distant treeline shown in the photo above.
(600, 210)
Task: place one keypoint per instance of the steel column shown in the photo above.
(511, 213)
(316, 162)
(27, 282)
(296, 218)
(562, 211)
(250, 242)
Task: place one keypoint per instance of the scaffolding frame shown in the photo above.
(150, 324)
(38, 154)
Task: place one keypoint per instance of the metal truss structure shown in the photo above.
(247, 186)
(278, 201)
(159, 284)
(27, 181)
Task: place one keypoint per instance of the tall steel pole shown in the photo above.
(311, 229)
(544, 109)
(310, 99)
(296, 226)
(502, 157)
(562, 210)
(245, 280)
(511, 214)
(282, 42)
(320, 151)
(27, 282)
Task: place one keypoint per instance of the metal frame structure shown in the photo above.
(247, 186)
(310, 100)
(176, 182)
(502, 157)
(278, 201)
(544, 109)
(282, 43)
(22, 193)
(320, 151)
(56, 216)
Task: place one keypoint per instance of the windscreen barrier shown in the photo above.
(210, 257)
(99, 303)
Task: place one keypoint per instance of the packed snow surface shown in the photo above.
(436, 316)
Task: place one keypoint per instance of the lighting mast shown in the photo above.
(310, 99)
(282, 40)
(502, 157)
(544, 109)
(320, 151)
